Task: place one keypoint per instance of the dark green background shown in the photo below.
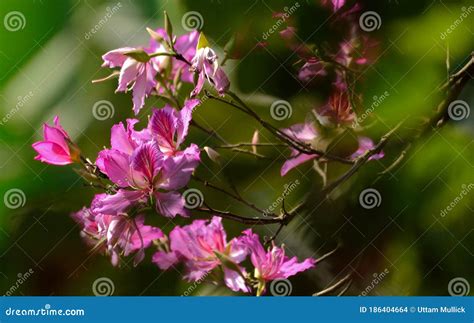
(50, 58)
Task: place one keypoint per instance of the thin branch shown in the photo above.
(239, 218)
(300, 146)
(333, 287)
(361, 160)
(232, 195)
(249, 144)
(327, 255)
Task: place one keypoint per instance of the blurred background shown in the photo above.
(409, 245)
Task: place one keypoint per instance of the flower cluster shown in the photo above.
(327, 124)
(146, 168)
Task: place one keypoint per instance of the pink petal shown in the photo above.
(147, 162)
(51, 153)
(294, 162)
(118, 202)
(139, 92)
(162, 125)
(165, 260)
(235, 281)
(116, 57)
(120, 139)
(177, 170)
(55, 135)
(221, 82)
(116, 165)
(185, 119)
(170, 204)
(128, 73)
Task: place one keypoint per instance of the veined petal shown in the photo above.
(170, 204)
(184, 120)
(146, 161)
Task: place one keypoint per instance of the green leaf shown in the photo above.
(168, 27)
(202, 42)
(154, 35)
(139, 55)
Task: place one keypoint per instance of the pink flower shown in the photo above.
(366, 144)
(356, 48)
(149, 173)
(306, 133)
(336, 4)
(186, 46)
(116, 234)
(202, 246)
(139, 75)
(312, 68)
(169, 127)
(338, 110)
(271, 264)
(56, 148)
(205, 64)
(136, 162)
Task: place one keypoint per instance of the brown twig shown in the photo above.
(333, 287)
